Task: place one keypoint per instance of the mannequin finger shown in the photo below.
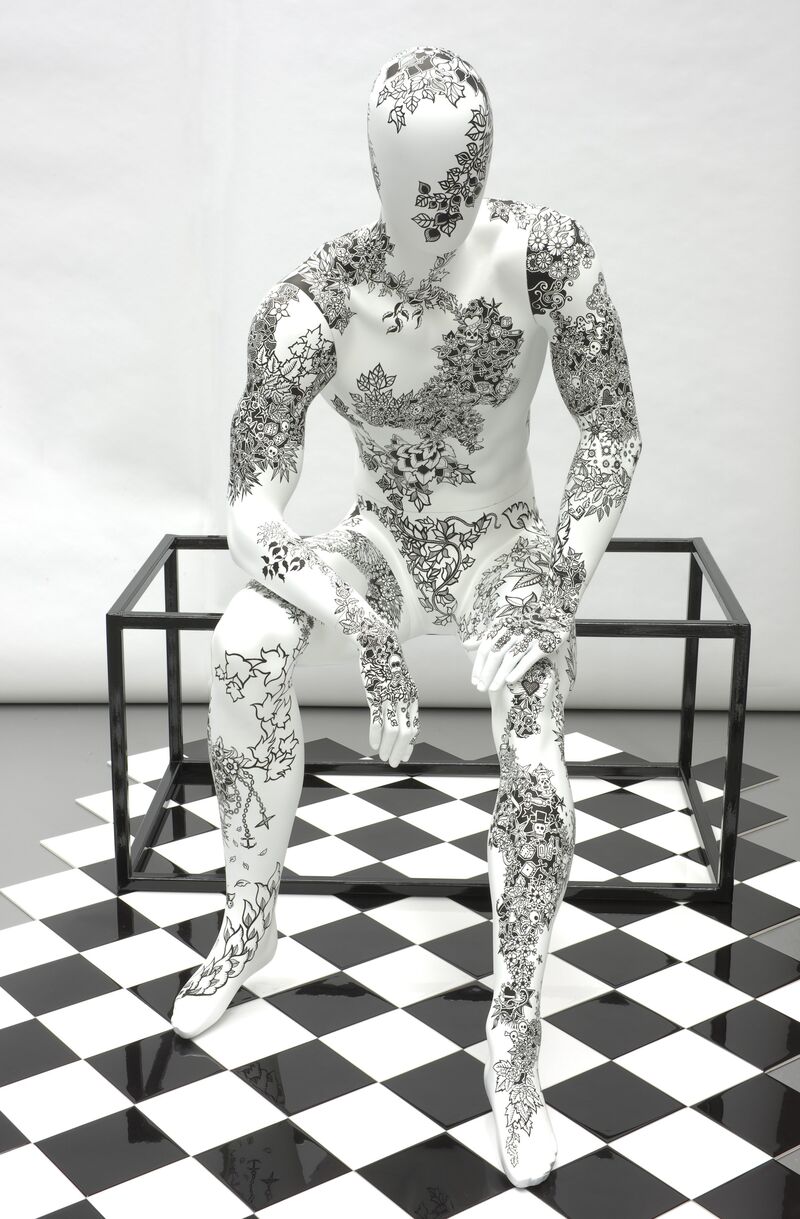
(509, 662)
(493, 662)
(375, 728)
(400, 746)
(390, 730)
(484, 647)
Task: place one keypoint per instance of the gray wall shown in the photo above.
(163, 163)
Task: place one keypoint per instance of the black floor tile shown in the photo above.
(57, 984)
(756, 1032)
(613, 1024)
(102, 923)
(627, 1191)
(404, 796)
(621, 808)
(110, 1150)
(316, 788)
(749, 911)
(303, 1076)
(761, 1110)
(154, 1065)
(10, 1137)
(610, 1101)
(753, 860)
(333, 1002)
(161, 993)
(477, 844)
(751, 816)
(770, 1191)
(713, 772)
(485, 801)
(619, 913)
(469, 949)
(180, 823)
(752, 967)
(351, 941)
(271, 1164)
(199, 933)
(105, 873)
(615, 958)
(28, 1048)
(437, 1177)
(80, 1210)
(324, 749)
(621, 852)
(303, 831)
(449, 1090)
(459, 1014)
(383, 839)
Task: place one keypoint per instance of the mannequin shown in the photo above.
(427, 331)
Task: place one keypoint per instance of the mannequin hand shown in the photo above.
(391, 696)
(505, 655)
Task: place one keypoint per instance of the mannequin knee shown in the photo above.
(260, 629)
(530, 713)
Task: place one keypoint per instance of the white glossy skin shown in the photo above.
(447, 538)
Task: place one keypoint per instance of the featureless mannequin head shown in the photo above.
(429, 127)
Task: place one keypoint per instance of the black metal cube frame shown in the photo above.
(172, 620)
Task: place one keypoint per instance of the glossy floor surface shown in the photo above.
(347, 1077)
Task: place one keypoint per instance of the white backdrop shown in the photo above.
(164, 162)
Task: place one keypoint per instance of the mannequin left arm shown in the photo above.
(591, 370)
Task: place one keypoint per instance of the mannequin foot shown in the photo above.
(525, 1135)
(212, 987)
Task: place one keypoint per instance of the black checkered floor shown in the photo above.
(347, 1078)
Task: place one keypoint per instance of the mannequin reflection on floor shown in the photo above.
(428, 331)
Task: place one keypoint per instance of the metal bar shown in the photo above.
(720, 587)
(150, 828)
(159, 620)
(118, 732)
(656, 628)
(173, 645)
(201, 541)
(694, 603)
(733, 760)
(144, 576)
(702, 821)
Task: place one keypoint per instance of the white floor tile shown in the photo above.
(669, 792)
(674, 871)
(408, 975)
(584, 788)
(83, 847)
(783, 883)
(563, 1056)
(455, 819)
(139, 958)
(49, 895)
(443, 859)
(366, 1125)
(460, 787)
(104, 1022)
(207, 809)
(572, 1140)
(564, 986)
(32, 1186)
(199, 853)
(182, 1188)
(688, 1210)
(59, 1100)
(683, 933)
(250, 1031)
(292, 965)
(326, 857)
(389, 1044)
(359, 783)
(147, 765)
(588, 827)
(167, 909)
(11, 1012)
(573, 925)
(212, 1111)
(30, 944)
(689, 1151)
(298, 912)
(785, 999)
(673, 831)
(140, 797)
(480, 1135)
(687, 1066)
(578, 747)
(584, 869)
(342, 813)
(425, 918)
(346, 1195)
(684, 994)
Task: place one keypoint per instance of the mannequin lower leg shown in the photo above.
(530, 847)
(255, 745)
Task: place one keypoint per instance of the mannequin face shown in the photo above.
(429, 129)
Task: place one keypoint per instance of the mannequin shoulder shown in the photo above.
(330, 270)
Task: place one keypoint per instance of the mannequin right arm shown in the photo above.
(290, 358)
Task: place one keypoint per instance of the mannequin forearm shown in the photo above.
(272, 553)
